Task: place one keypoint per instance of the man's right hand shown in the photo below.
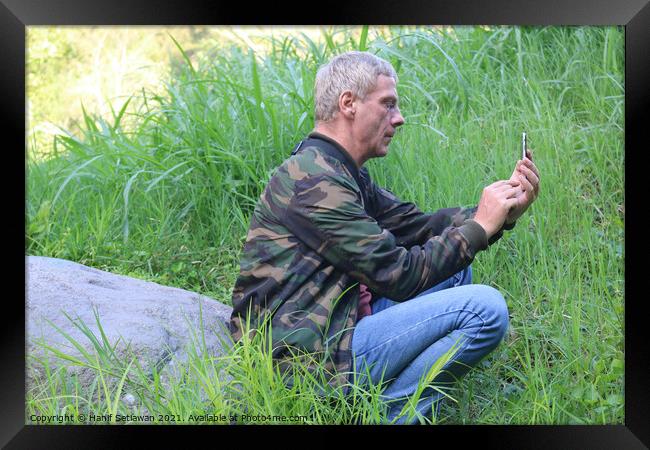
(496, 202)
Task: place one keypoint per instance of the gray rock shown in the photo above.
(153, 323)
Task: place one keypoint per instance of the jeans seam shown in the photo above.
(415, 325)
(454, 359)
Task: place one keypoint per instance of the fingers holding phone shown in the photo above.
(529, 177)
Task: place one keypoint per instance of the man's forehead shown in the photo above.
(385, 81)
(386, 86)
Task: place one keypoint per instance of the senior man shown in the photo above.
(344, 269)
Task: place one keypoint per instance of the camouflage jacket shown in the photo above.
(317, 232)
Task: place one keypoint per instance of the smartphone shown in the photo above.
(524, 144)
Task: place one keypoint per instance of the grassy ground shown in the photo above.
(168, 198)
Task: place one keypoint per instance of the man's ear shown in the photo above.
(347, 104)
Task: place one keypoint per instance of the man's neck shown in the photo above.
(343, 138)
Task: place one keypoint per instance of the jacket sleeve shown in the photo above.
(409, 225)
(326, 214)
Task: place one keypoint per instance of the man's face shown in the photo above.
(377, 117)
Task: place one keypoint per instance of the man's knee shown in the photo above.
(494, 310)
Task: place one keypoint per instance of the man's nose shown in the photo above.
(398, 119)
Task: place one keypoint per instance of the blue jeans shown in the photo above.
(402, 340)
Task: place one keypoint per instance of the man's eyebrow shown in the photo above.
(392, 97)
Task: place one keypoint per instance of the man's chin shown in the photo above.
(380, 151)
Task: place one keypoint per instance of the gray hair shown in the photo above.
(354, 71)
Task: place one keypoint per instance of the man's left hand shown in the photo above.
(527, 174)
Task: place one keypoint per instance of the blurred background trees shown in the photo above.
(71, 68)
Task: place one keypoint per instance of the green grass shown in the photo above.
(168, 198)
(243, 386)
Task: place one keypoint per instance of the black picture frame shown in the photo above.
(15, 15)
